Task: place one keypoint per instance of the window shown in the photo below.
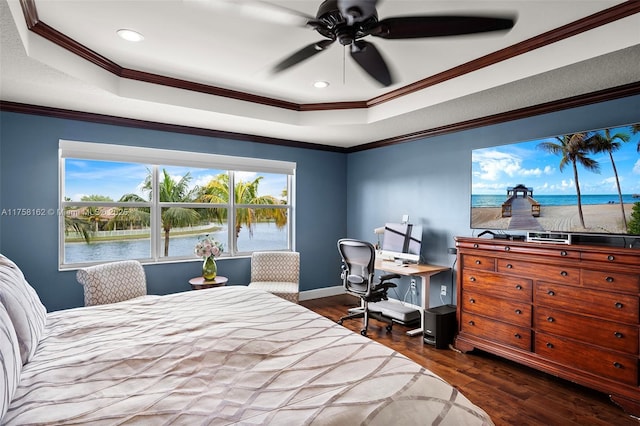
(123, 202)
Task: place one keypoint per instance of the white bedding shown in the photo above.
(221, 356)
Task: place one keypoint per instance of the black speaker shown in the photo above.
(440, 326)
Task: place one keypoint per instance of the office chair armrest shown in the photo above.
(384, 286)
(387, 277)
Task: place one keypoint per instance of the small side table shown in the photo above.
(198, 283)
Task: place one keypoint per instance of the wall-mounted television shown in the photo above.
(586, 182)
(401, 242)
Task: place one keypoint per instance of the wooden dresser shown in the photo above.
(569, 310)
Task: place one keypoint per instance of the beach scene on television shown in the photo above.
(587, 182)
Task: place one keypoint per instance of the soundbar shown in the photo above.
(548, 237)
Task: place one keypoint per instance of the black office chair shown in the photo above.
(358, 265)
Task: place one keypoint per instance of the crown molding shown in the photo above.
(154, 125)
(530, 111)
(34, 24)
(544, 108)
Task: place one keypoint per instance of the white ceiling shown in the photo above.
(216, 44)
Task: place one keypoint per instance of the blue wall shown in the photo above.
(430, 179)
(338, 195)
(29, 179)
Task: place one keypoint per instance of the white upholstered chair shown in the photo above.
(112, 282)
(276, 272)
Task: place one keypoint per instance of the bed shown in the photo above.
(220, 356)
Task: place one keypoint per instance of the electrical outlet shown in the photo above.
(413, 283)
(443, 290)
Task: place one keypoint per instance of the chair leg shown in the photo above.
(366, 319)
(363, 312)
(355, 314)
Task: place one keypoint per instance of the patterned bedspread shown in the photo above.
(221, 356)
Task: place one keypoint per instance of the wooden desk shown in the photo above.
(424, 271)
(198, 283)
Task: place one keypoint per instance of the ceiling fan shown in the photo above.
(350, 21)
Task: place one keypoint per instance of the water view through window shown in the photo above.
(266, 236)
(111, 210)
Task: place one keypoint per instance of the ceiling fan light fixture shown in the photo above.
(321, 84)
(130, 35)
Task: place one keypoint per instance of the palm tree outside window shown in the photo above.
(162, 209)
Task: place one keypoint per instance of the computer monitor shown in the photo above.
(401, 242)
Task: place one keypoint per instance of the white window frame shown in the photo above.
(156, 158)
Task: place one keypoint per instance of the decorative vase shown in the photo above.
(209, 269)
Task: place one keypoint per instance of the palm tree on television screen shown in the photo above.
(574, 150)
(606, 142)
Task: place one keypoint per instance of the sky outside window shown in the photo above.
(114, 179)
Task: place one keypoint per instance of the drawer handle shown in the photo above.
(609, 279)
(549, 345)
(518, 311)
(564, 273)
(551, 293)
(550, 319)
(563, 253)
(617, 364)
(509, 266)
(472, 279)
(517, 336)
(472, 323)
(472, 300)
(619, 305)
(611, 257)
(478, 262)
(618, 335)
(475, 245)
(518, 287)
(507, 248)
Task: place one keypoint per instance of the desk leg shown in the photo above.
(426, 289)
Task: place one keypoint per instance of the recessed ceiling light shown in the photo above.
(321, 84)
(130, 35)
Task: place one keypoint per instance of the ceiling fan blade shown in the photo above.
(438, 26)
(367, 56)
(301, 55)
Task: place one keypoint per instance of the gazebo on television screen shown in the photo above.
(520, 201)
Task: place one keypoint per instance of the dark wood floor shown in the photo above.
(510, 393)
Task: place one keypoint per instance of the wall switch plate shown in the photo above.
(443, 290)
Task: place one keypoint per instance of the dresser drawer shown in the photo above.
(558, 274)
(602, 304)
(607, 334)
(478, 262)
(611, 281)
(518, 313)
(497, 285)
(497, 331)
(506, 246)
(601, 362)
(541, 250)
(612, 258)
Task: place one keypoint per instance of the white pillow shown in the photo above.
(10, 362)
(24, 307)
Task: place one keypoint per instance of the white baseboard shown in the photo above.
(321, 292)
